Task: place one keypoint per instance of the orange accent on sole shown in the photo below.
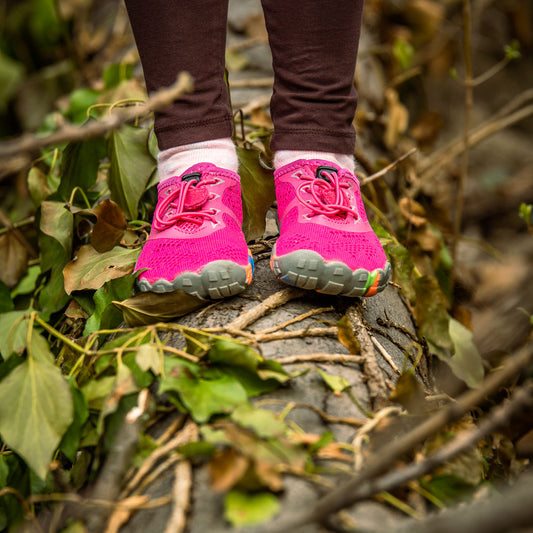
(249, 273)
(373, 289)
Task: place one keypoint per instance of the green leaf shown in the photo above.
(13, 333)
(148, 357)
(512, 51)
(27, 284)
(131, 167)
(80, 163)
(466, 363)
(71, 439)
(197, 449)
(257, 192)
(402, 269)
(233, 354)
(403, 52)
(106, 315)
(215, 394)
(6, 303)
(244, 509)
(57, 222)
(264, 423)
(116, 73)
(150, 307)
(11, 74)
(38, 185)
(90, 269)
(335, 383)
(96, 391)
(35, 411)
(80, 101)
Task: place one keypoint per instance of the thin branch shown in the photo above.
(383, 171)
(298, 318)
(469, 102)
(255, 313)
(21, 149)
(341, 358)
(299, 333)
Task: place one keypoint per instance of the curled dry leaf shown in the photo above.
(412, 211)
(13, 259)
(397, 118)
(110, 226)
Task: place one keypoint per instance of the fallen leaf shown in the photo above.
(347, 336)
(226, 468)
(247, 509)
(57, 222)
(257, 192)
(397, 118)
(150, 307)
(13, 259)
(412, 211)
(110, 226)
(131, 167)
(90, 269)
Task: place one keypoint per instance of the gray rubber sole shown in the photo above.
(218, 279)
(308, 270)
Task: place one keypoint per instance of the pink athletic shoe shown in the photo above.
(196, 243)
(326, 242)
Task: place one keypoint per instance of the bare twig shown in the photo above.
(298, 318)
(107, 486)
(330, 419)
(375, 382)
(469, 102)
(385, 354)
(255, 313)
(184, 436)
(321, 358)
(299, 333)
(389, 167)
(181, 494)
(21, 150)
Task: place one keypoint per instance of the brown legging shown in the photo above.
(314, 48)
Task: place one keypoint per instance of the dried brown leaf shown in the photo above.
(226, 468)
(110, 226)
(412, 211)
(13, 259)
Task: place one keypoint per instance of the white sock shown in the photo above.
(175, 161)
(285, 157)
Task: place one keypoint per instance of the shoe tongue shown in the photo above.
(196, 197)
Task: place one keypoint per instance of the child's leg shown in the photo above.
(196, 243)
(326, 242)
(185, 35)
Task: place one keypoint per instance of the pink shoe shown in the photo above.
(326, 242)
(196, 243)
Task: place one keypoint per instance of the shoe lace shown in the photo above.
(328, 193)
(184, 203)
